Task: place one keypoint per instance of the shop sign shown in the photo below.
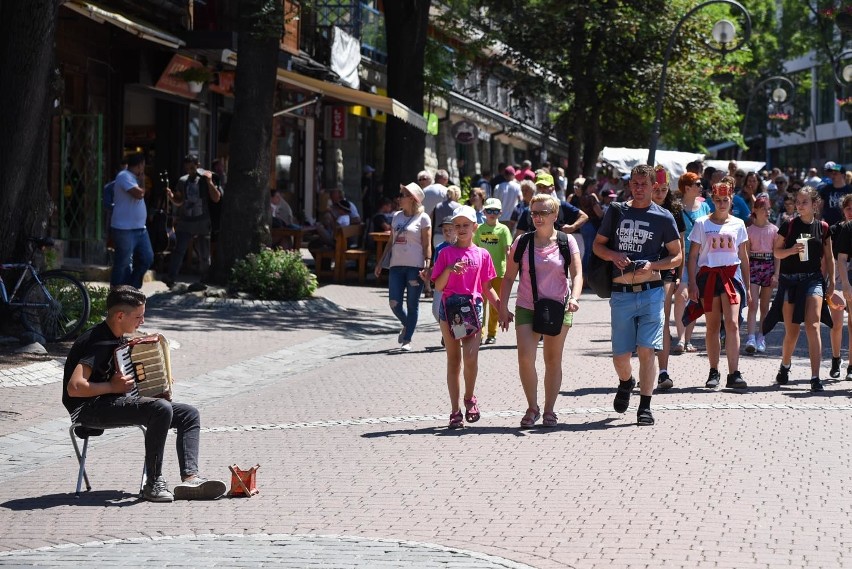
(338, 122)
(171, 84)
(223, 84)
(432, 124)
(465, 132)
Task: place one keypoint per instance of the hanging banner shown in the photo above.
(338, 122)
(431, 124)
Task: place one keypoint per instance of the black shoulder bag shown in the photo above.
(547, 314)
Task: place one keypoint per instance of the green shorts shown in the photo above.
(525, 316)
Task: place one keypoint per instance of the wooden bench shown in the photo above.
(344, 253)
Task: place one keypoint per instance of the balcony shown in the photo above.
(357, 19)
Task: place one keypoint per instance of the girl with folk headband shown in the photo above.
(804, 247)
(663, 197)
(762, 269)
(719, 248)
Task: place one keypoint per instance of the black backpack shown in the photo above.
(561, 241)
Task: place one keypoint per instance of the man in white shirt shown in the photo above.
(433, 194)
(813, 178)
(509, 194)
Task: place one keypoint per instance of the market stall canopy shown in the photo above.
(745, 165)
(624, 159)
(345, 94)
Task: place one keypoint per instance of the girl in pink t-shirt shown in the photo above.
(762, 271)
(463, 270)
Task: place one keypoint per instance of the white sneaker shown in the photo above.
(761, 344)
(750, 346)
(406, 347)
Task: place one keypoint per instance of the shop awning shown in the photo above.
(385, 104)
(138, 29)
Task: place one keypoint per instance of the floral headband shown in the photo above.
(722, 190)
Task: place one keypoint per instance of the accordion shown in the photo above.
(146, 359)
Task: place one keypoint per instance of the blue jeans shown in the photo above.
(405, 280)
(588, 232)
(133, 256)
(157, 416)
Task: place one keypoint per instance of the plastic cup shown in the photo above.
(803, 256)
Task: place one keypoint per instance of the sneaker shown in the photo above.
(490, 340)
(713, 379)
(406, 347)
(199, 488)
(541, 341)
(736, 381)
(849, 372)
(816, 384)
(761, 344)
(783, 375)
(835, 368)
(644, 418)
(399, 338)
(677, 349)
(664, 381)
(157, 490)
(751, 345)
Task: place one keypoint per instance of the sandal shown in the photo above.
(689, 348)
(622, 395)
(531, 416)
(678, 348)
(471, 414)
(456, 420)
(644, 418)
(549, 419)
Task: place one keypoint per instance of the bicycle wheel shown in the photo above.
(58, 308)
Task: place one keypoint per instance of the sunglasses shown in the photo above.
(541, 213)
(404, 195)
(491, 211)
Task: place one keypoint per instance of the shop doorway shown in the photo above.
(81, 216)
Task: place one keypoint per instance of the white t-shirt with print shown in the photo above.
(408, 239)
(719, 243)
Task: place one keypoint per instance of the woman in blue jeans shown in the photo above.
(410, 259)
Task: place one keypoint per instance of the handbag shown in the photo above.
(461, 314)
(599, 274)
(548, 314)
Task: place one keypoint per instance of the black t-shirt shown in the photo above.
(841, 238)
(818, 232)
(94, 348)
(832, 211)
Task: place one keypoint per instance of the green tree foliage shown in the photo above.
(599, 63)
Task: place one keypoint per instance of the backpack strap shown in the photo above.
(565, 250)
(523, 242)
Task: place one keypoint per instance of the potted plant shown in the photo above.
(845, 104)
(195, 77)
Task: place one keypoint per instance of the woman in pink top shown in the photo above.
(552, 284)
(762, 270)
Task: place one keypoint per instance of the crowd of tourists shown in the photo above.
(712, 244)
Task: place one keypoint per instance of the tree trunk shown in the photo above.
(27, 91)
(406, 23)
(245, 203)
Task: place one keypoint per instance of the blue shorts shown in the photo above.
(812, 282)
(637, 320)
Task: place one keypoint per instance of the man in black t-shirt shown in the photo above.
(832, 194)
(639, 232)
(98, 395)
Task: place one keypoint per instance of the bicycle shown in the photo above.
(53, 304)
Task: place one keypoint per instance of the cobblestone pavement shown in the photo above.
(357, 468)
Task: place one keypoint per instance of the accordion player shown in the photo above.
(146, 359)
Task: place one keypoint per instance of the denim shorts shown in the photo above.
(442, 316)
(637, 320)
(813, 281)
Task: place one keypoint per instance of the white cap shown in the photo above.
(465, 211)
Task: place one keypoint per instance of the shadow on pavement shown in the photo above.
(514, 431)
(97, 498)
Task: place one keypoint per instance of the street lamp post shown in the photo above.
(779, 96)
(723, 34)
